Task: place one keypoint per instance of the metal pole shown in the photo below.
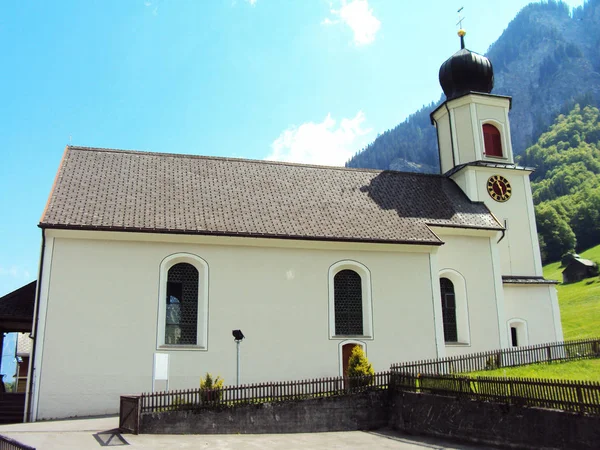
(238, 361)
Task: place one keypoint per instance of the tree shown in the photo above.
(360, 371)
(556, 234)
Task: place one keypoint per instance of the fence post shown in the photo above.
(580, 399)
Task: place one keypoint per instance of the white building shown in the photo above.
(147, 253)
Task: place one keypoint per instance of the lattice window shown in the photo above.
(181, 322)
(448, 310)
(348, 303)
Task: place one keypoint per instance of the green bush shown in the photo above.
(360, 371)
(211, 389)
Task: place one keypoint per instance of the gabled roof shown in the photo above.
(103, 189)
(581, 261)
(16, 308)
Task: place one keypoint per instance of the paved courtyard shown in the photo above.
(84, 434)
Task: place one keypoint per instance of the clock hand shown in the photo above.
(500, 186)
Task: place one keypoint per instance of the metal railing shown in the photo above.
(575, 396)
(496, 359)
(7, 443)
(261, 393)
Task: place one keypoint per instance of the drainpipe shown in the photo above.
(35, 327)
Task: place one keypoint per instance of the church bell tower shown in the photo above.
(476, 152)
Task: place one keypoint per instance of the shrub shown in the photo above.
(211, 389)
(360, 371)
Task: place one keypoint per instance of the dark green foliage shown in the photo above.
(413, 140)
(566, 183)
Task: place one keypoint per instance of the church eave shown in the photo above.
(240, 234)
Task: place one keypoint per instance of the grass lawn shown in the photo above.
(579, 302)
(585, 370)
(580, 314)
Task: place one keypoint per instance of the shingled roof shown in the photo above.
(103, 189)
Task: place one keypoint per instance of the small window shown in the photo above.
(518, 336)
(449, 310)
(348, 303)
(492, 141)
(513, 337)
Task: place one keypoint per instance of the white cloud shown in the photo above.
(359, 17)
(14, 272)
(252, 2)
(149, 4)
(321, 143)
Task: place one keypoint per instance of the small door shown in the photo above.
(346, 353)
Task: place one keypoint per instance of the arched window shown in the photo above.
(350, 309)
(449, 310)
(518, 335)
(183, 302)
(348, 303)
(492, 141)
(181, 318)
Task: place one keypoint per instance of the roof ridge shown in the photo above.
(254, 161)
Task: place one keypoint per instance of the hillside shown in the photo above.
(579, 302)
(566, 183)
(547, 59)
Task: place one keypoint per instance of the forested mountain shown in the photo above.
(547, 59)
(566, 184)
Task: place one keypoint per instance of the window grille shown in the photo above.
(181, 322)
(348, 303)
(448, 310)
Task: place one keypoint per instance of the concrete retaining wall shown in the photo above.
(492, 423)
(365, 411)
(420, 414)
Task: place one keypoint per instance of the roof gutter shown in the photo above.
(35, 327)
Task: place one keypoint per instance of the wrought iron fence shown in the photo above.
(7, 443)
(495, 359)
(575, 396)
(261, 393)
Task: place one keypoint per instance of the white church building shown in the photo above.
(154, 253)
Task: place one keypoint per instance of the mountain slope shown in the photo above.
(566, 184)
(546, 59)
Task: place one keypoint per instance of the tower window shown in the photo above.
(492, 141)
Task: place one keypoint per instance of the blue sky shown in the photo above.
(304, 80)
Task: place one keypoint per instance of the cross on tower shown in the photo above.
(460, 18)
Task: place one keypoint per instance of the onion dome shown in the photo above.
(465, 72)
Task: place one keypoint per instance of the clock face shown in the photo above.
(499, 188)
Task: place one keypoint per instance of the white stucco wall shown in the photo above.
(473, 259)
(98, 334)
(537, 305)
(519, 250)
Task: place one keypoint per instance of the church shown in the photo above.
(153, 259)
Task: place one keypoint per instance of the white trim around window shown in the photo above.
(367, 306)
(202, 324)
(522, 332)
(506, 153)
(462, 306)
